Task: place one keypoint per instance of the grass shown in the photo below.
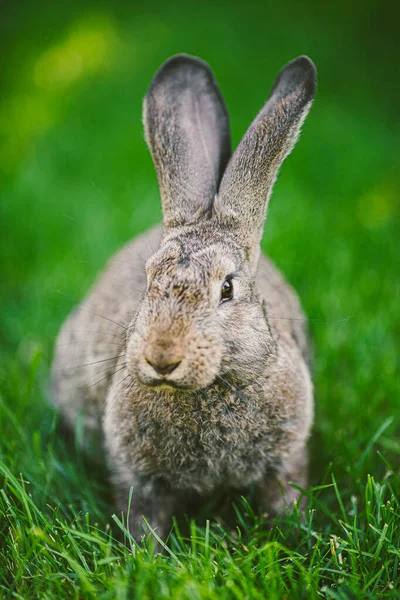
(77, 182)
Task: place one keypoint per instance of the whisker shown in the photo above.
(117, 398)
(93, 311)
(106, 377)
(244, 373)
(150, 247)
(128, 391)
(87, 342)
(305, 319)
(91, 375)
(137, 254)
(102, 194)
(127, 262)
(139, 334)
(88, 364)
(119, 337)
(119, 382)
(106, 318)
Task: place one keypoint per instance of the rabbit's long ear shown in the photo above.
(247, 183)
(187, 131)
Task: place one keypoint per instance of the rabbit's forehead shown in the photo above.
(191, 260)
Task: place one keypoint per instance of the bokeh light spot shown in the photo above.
(377, 207)
(88, 48)
(57, 66)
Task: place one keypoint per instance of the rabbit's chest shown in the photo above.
(229, 442)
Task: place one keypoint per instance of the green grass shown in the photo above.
(77, 182)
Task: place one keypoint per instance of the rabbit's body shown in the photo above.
(232, 406)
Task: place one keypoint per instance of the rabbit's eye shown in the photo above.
(226, 290)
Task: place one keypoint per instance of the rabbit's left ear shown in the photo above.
(187, 130)
(248, 179)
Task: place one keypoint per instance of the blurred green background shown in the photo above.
(77, 182)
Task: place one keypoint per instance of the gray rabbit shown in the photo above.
(190, 353)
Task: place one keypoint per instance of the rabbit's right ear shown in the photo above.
(247, 182)
(187, 130)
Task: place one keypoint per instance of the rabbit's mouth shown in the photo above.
(165, 384)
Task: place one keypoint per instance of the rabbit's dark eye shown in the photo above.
(226, 290)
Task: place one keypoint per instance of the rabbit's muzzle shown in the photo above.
(164, 356)
(186, 360)
(163, 366)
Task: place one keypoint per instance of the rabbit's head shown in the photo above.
(201, 317)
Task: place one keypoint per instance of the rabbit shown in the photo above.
(190, 354)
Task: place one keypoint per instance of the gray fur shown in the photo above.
(238, 408)
(248, 180)
(187, 131)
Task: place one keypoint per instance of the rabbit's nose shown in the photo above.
(163, 367)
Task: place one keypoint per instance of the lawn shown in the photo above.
(77, 182)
